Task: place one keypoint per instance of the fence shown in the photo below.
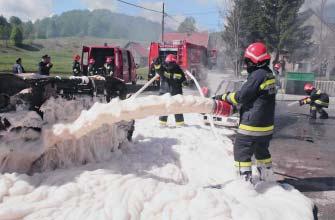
(325, 86)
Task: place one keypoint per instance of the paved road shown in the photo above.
(304, 155)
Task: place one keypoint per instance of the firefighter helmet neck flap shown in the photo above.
(256, 56)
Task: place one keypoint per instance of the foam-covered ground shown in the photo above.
(161, 175)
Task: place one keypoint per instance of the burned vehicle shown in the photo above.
(31, 104)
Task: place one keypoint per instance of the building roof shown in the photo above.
(138, 48)
(199, 38)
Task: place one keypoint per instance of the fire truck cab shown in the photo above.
(123, 60)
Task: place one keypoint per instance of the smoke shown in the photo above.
(100, 4)
(315, 5)
(172, 23)
(26, 9)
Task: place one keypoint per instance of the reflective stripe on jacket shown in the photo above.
(319, 98)
(256, 99)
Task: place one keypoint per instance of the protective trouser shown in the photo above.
(246, 146)
(178, 117)
(320, 110)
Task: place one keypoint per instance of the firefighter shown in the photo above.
(171, 79)
(17, 67)
(256, 103)
(152, 73)
(91, 70)
(45, 65)
(76, 66)
(109, 66)
(317, 101)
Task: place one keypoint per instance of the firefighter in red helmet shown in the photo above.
(76, 65)
(109, 66)
(256, 103)
(317, 101)
(171, 79)
(91, 69)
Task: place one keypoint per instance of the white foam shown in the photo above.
(160, 176)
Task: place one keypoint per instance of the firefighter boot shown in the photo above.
(264, 168)
(244, 173)
(323, 114)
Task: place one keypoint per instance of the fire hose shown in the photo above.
(210, 116)
(132, 108)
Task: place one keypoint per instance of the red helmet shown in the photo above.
(76, 57)
(171, 58)
(257, 53)
(308, 87)
(109, 59)
(205, 91)
(277, 66)
(91, 61)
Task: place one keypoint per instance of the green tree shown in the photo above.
(275, 22)
(16, 36)
(52, 29)
(28, 30)
(4, 30)
(281, 28)
(187, 26)
(15, 21)
(242, 24)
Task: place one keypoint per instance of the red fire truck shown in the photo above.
(124, 65)
(191, 57)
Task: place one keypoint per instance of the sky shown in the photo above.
(206, 12)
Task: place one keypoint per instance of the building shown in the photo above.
(199, 38)
(139, 52)
(322, 59)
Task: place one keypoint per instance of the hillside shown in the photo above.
(96, 23)
(61, 51)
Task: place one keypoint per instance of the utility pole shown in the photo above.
(163, 21)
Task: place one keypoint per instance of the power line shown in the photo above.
(199, 13)
(139, 6)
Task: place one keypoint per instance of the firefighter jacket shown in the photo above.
(44, 68)
(108, 69)
(256, 101)
(171, 78)
(76, 68)
(317, 98)
(91, 70)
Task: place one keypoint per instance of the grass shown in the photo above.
(142, 73)
(61, 51)
(62, 61)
